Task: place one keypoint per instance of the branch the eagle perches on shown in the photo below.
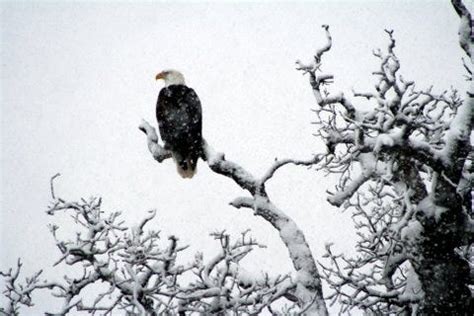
(306, 289)
(220, 165)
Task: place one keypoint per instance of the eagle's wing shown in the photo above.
(179, 116)
(192, 106)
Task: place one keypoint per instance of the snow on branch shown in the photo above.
(313, 66)
(293, 239)
(222, 285)
(142, 272)
(158, 152)
(19, 294)
(355, 286)
(393, 146)
(219, 164)
(414, 123)
(308, 286)
(466, 37)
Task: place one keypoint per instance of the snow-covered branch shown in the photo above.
(19, 294)
(142, 272)
(404, 156)
(466, 38)
(158, 152)
(358, 287)
(308, 286)
(222, 285)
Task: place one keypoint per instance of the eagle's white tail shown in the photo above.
(186, 167)
(186, 173)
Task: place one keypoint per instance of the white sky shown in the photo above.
(76, 79)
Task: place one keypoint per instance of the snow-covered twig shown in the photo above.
(18, 293)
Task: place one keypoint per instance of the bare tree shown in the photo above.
(404, 157)
(405, 163)
(143, 274)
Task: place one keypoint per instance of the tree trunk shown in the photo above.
(444, 275)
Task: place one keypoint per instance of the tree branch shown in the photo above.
(308, 289)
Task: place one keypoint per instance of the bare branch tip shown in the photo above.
(51, 182)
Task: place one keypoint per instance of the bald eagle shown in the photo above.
(179, 115)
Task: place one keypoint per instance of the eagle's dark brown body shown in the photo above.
(179, 115)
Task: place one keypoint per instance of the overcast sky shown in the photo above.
(77, 78)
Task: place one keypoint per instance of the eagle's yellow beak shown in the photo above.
(159, 76)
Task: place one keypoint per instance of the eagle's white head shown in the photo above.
(171, 77)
